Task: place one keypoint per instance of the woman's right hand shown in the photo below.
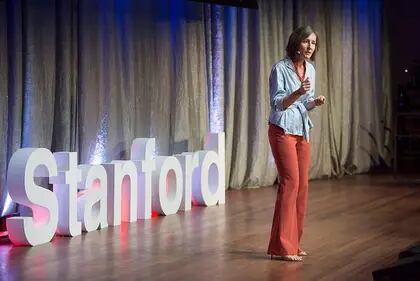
(304, 87)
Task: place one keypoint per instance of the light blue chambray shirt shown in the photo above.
(295, 119)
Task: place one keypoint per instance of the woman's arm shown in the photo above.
(290, 99)
(309, 101)
(277, 90)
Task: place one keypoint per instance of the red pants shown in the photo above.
(292, 156)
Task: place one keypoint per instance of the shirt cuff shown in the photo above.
(302, 107)
(310, 105)
(278, 104)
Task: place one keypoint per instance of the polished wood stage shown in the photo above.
(354, 225)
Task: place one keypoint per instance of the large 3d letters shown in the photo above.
(88, 197)
(92, 204)
(209, 178)
(122, 191)
(65, 188)
(188, 161)
(24, 166)
(167, 185)
(142, 154)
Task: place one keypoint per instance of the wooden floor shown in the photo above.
(354, 226)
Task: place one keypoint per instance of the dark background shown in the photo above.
(404, 34)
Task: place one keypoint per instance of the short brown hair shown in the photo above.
(297, 36)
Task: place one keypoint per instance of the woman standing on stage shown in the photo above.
(292, 96)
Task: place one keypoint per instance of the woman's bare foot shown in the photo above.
(302, 253)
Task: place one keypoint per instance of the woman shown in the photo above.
(292, 96)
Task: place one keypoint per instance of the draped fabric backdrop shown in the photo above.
(90, 76)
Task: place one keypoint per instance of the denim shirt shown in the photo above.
(284, 80)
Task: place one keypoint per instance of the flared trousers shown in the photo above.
(292, 157)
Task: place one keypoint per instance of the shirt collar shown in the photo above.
(289, 63)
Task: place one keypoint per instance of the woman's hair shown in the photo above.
(297, 36)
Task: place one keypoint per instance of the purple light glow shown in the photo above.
(216, 98)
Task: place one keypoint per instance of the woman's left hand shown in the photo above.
(319, 100)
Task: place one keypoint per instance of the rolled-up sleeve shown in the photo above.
(277, 89)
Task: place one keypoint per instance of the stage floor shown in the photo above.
(354, 225)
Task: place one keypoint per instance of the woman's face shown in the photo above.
(307, 46)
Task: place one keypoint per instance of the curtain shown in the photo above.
(352, 130)
(90, 76)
